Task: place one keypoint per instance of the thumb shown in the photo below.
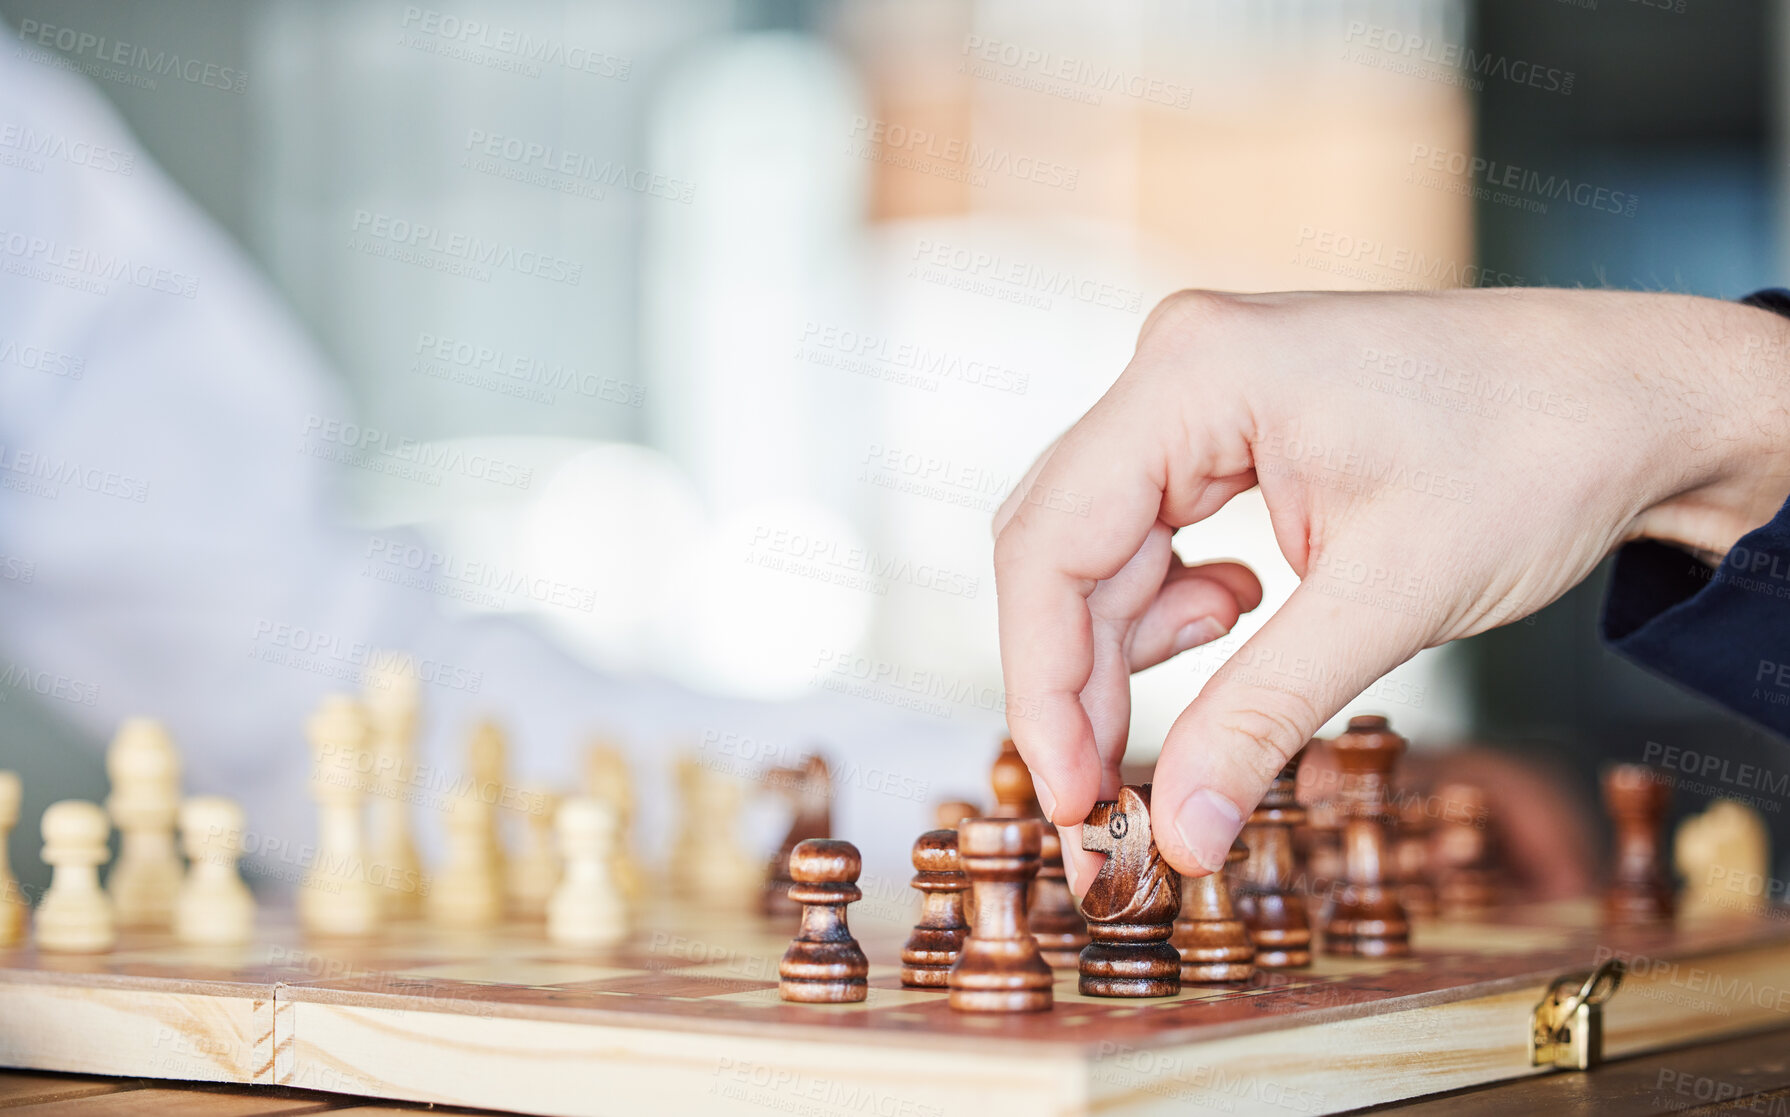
(1316, 653)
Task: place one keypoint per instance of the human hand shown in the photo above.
(1557, 425)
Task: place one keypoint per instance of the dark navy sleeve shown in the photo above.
(1723, 632)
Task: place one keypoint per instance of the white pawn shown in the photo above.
(336, 897)
(536, 872)
(392, 702)
(145, 773)
(13, 909)
(75, 916)
(587, 908)
(214, 907)
(467, 892)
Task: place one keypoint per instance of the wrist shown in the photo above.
(1726, 418)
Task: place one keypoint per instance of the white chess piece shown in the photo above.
(75, 916)
(392, 702)
(214, 908)
(707, 860)
(487, 756)
(536, 872)
(13, 908)
(145, 773)
(587, 908)
(1724, 856)
(336, 898)
(467, 891)
(606, 779)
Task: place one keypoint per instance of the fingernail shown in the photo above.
(1194, 633)
(1046, 801)
(1208, 823)
(1070, 876)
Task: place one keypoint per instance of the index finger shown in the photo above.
(1047, 562)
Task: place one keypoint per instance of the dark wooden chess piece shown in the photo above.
(1411, 856)
(1317, 839)
(1463, 857)
(1130, 906)
(809, 790)
(1015, 796)
(1052, 915)
(824, 964)
(999, 968)
(1265, 887)
(1637, 801)
(1365, 917)
(948, 814)
(1214, 944)
(938, 938)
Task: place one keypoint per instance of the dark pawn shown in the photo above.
(1366, 918)
(1637, 800)
(1461, 853)
(809, 790)
(824, 964)
(1131, 906)
(938, 938)
(1411, 857)
(1055, 920)
(1264, 888)
(1214, 945)
(999, 968)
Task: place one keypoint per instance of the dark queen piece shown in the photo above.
(1130, 906)
(1014, 794)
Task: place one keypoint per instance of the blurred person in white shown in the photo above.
(169, 545)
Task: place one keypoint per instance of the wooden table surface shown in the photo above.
(1746, 1075)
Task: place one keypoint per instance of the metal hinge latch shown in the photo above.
(1567, 1028)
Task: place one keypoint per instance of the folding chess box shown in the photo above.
(685, 1018)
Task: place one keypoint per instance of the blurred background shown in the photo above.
(777, 300)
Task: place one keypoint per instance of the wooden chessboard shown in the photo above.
(685, 1018)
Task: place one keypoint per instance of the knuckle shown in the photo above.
(1189, 313)
(1263, 738)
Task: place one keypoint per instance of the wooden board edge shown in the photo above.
(572, 1070)
(85, 1029)
(1665, 1003)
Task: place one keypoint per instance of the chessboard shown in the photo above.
(684, 1017)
